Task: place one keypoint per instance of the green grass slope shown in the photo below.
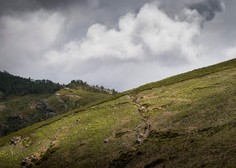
(187, 120)
(19, 111)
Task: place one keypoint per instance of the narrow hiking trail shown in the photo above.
(147, 123)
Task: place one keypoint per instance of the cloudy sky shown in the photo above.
(118, 44)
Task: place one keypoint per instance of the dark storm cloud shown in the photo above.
(10, 6)
(208, 8)
(51, 4)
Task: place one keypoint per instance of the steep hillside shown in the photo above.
(184, 121)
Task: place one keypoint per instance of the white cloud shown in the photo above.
(149, 33)
(150, 36)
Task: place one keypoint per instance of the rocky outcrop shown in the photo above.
(35, 158)
(44, 108)
(16, 140)
(19, 141)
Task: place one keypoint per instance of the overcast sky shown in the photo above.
(118, 44)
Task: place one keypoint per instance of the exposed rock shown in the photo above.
(43, 106)
(51, 114)
(141, 135)
(106, 140)
(30, 161)
(45, 109)
(57, 94)
(138, 140)
(141, 108)
(35, 158)
(16, 140)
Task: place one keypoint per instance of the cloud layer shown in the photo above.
(24, 38)
(148, 36)
(208, 8)
(107, 43)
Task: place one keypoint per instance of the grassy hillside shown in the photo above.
(19, 111)
(24, 102)
(184, 121)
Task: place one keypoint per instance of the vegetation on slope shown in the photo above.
(189, 75)
(17, 112)
(10, 84)
(15, 85)
(26, 101)
(184, 121)
(79, 84)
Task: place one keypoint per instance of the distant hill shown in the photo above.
(188, 120)
(79, 84)
(10, 84)
(24, 102)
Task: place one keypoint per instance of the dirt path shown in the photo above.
(147, 126)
